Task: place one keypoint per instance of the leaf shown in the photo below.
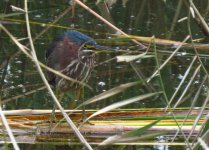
(109, 93)
(128, 58)
(132, 135)
(122, 103)
(140, 130)
(10, 14)
(18, 9)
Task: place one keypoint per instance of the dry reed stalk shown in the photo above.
(107, 22)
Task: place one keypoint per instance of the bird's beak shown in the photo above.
(104, 48)
(98, 48)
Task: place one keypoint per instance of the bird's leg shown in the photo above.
(83, 111)
(53, 114)
(84, 116)
(80, 95)
(83, 107)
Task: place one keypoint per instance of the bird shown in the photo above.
(71, 53)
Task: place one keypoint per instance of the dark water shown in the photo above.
(136, 17)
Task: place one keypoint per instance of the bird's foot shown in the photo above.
(52, 122)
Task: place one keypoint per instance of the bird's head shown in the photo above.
(88, 44)
(85, 44)
(79, 38)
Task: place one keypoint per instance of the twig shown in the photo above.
(168, 59)
(198, 18)
(56, 20)
(182, 81)
(203, 144)
(23, 49)
(4, 120)
(40, 34)
(173, 24)
(33, 53)
(108, 23)
(22, 95)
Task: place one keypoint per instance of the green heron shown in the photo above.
(71, 53)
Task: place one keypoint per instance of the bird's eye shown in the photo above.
(86, 46)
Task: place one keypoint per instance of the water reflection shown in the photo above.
(136, 17)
